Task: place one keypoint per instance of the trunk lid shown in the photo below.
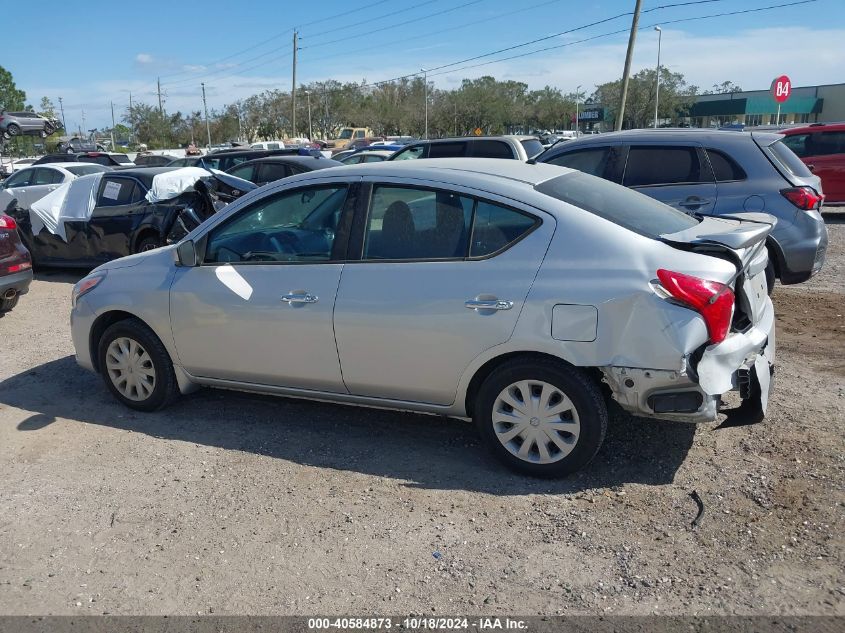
(740, 238)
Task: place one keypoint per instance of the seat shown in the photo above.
(397, 234)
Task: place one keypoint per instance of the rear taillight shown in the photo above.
(7, 223)
(16, 268)
(803, 197)
(714, 301)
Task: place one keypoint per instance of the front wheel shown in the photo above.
(14, 129)
(147, 244)
(541, 417)
(136, 366)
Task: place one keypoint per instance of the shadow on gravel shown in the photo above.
(834, 217)
(428, 452)
(60, 275)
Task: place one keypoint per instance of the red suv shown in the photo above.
(822, 147)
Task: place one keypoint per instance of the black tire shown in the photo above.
(13, 129)
(8, 304)
(770, 277)
(585, 395)
(48, 130)
(148, 244)
(165, 388)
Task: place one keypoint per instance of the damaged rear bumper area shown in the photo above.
(743, 362)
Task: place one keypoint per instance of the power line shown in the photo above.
(387, 15)
(465, 25)
(625, 30)
(393, 26)
(628, 13)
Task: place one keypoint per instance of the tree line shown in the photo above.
(392, 109)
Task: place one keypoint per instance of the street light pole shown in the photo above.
(310, 130)
(425, 80)
(577, 100)
(205, 107)
(657, 84)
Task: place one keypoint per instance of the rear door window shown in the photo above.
(828, 143)
(490, 149)
(115, 192)
(663, 165)
(269, 172)
(245, 172)
(451, 149)
(725, 168)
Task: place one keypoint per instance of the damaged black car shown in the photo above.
(101, 217)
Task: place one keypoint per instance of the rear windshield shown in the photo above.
(532, 146)
(788, 160)
(630, 209)
(84, 170)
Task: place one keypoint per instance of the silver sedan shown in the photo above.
(527, 297)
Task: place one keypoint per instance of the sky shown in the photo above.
(240, 49)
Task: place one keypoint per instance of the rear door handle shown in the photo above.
(300, 298)
(488, 304)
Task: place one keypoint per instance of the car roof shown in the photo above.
(295, 159)
(452, 169)
(144, 174)
(667, 134)
(499, 137)
(65, 165)
(838, 126)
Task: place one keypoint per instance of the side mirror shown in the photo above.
(186, 254)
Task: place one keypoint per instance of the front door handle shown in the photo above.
(306, 297)
(488, 304)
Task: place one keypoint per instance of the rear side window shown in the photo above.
(44, 176)
(725, 168)
(653, 165)
(448, 150)
(495, 227)
(532, 146)
(630, 209)
(787, 159)
(118, 191)
(415, 151)
(590, 161)
(490, 149)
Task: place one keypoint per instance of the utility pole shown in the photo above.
(577, 99)
(112, 126)
(425, 81)
(657, 83)
(62, 108)
(310, 130)
(131, 119)
(158, 90)
(293, 89)
(83, 123)
(631, 39)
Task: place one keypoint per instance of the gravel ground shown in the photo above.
(229, 503)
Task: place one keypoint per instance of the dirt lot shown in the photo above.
(229, 503)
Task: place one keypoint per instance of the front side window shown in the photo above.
(407, 223)
(293, 226)
(654, 165)
(270, 172)
(410, 153)
(244, 172)
(115, 192)
(20, 178)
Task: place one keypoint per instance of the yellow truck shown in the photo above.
(347, 136)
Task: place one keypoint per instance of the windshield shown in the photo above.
(620, 205)
(345, 133)
(532, 147)
(84, 170)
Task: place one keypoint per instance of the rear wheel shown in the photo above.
(770, 277)
(148, 244)
(48, 130)
(136, 366)
(8, 304)
(541, 417)
(14, 129)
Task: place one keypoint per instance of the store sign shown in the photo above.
(595, 114)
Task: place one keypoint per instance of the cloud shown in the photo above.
(144, 58)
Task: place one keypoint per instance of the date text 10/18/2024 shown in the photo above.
(418, 623)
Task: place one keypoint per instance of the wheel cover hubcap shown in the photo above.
(536, 421)
(130, 369)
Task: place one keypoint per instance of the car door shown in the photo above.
(677, 174)
(440, 276)
(119, 209)
(259, 307)
(16, 186)
(826, 153)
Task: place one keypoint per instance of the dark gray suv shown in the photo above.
(712, 172)
(15, 123)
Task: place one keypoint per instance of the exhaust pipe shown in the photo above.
(10, 294)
